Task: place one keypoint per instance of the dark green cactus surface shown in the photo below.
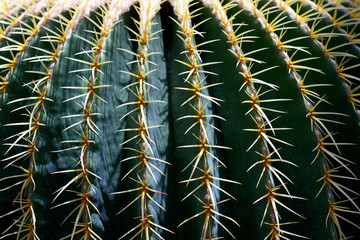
(179, 119)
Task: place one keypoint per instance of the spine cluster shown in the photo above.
(274, 179)
(145, 169)
(322, 37)
(205, 162)
(35, 107)
(332, 161)
(41, 38)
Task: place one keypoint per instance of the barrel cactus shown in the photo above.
(179, 119)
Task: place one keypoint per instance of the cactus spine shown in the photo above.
(189, 119)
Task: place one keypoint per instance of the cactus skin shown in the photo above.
(190, 119)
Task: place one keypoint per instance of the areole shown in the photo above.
(179, 119)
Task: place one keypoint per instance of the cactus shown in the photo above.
(179, 119)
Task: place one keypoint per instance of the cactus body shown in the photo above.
(179, 119)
